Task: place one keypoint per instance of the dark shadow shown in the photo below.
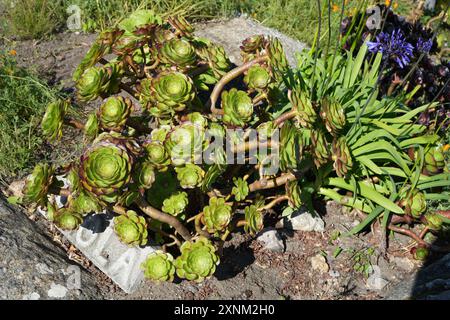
(235, 259)
(97, 222)
(432, 281)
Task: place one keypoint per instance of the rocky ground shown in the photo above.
(300, 259)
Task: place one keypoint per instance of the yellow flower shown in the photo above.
(446, 147)
(335, 8)
(395, 6)
(387, 2)
(13, 52)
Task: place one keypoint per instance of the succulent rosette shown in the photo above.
(266, 130)
(434, 221)
(237, 107)
(217, 215)
(253, 220)
(53, 120)
(185, 143)
(341, 156)
(420, 253)
(114, 112)
(333, 115)
(198, 119)
(105, 169)
(305, 114)
(414, 202)
(198, 260)
(100, 48)
(137, 19)
(219, 65)
(131, 229)
(181, 26)
(435, 160)
(277, 58)
(176, 203)
(159, 266)
(178, 52)
(291, 147)
(240, 189)
(91, 127)
(67, 219)
(252, 46)
(38, 183)
(85, 203)
(157, 154)
(168, 93)
(294, 193)
(144, 174)
(73, 179)
(190, 176)
(257, 78)
(321, 151)
(96, 81)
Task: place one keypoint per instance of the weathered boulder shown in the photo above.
(230, 34)
(34, 267)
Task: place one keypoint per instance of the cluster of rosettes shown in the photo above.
(145, 149)
(141, 154)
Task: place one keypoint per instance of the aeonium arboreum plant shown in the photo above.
(160, 159)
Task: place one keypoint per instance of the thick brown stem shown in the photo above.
(284, 117)
(272, 183)
(274, 202)
(251, 146)
(74, 123)
(163, 217)
(444, 213)
(233, 74)
(241, 223)
(408, 233)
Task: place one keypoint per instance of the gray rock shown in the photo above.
(33, 267)
(403, 263)
(430, 283)
(231, 33)
(376, 281)
(302, 220)
(271, 240)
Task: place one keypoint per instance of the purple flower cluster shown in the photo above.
(393, 46)
(424, 46)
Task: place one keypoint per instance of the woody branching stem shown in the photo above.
(74, 123)
(274, 202)
(163, 217)
(233, 74)
(284, 117)
(272, 183)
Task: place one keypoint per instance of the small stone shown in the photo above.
(302, 220)
(403, 263)
(57, 291)
(376, 281)
(319, 263)
(31, 296)
(271, 240)
(334, 273)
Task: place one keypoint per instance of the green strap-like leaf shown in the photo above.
(368, 193)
